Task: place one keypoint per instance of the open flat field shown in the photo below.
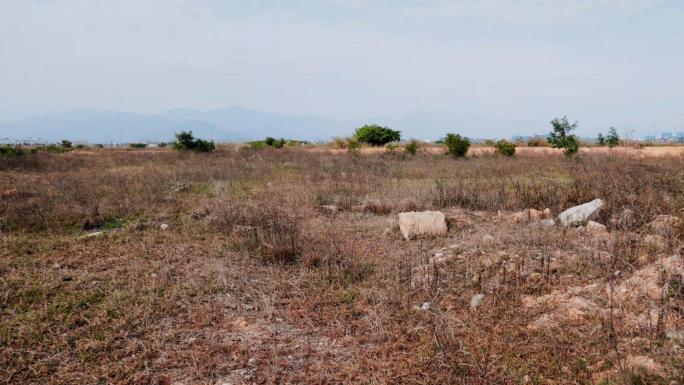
(653, 151)
(288, 267)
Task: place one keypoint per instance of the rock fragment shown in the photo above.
(426, 223)
(580, 214)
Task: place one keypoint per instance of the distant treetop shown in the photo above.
(377, 135)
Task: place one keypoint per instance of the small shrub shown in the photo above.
(11, 150)
(279, 143)
(457, 146)
(505, 148)
(561, 136)
(377, 135)
(390, 148)
(272, 142)
(411, 147)
(339, 142)
(66, 144)
(613, 139)
(350, 296)
(186, 141)
(51, 148)
(257, 145)
(572, 145)
(601, 140)
(353, 146)
(137, 145)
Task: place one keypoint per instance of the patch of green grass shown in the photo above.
(350, 296)
(112, 224)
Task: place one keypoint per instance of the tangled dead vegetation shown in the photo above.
(290, 266)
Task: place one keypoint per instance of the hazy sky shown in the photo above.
(601, 62)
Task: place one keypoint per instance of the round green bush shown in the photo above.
(377, 135)
(457, 146)
(505, 148)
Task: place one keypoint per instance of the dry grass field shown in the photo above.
(287, 267)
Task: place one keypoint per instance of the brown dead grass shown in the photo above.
(254, 283)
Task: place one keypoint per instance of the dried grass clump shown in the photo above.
(273, 231)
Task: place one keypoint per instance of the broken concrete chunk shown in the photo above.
(413, 224)
(580, 214)
(476, 300)
(595, 227)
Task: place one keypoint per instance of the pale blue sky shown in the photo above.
(602, 62)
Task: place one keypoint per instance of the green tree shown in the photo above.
(377, 135)
(505, 147)
(613, 139)
(561, 136)
(600, 140)
(186, 141)
(457, 146)
(66, 143)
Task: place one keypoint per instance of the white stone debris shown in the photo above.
(579, 214)
(413, 224)
(476, 300)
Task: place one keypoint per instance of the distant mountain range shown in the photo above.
(241, 124)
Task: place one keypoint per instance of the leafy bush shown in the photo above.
(279, 143)
(572, 145)
(51, 148)
(137, 145)
(613, 139)
(257, 145)
(186, 141)
(601, 140)
(561, 136)
(271, 142)
(66, 143)
(457, 146)
(11, 150)
(505, 147)
(411, 147)
(377, 135)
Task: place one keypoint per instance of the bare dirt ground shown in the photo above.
(287, 266)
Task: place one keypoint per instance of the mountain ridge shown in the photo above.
(237, 123)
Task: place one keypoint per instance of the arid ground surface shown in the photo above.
(287, 266)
